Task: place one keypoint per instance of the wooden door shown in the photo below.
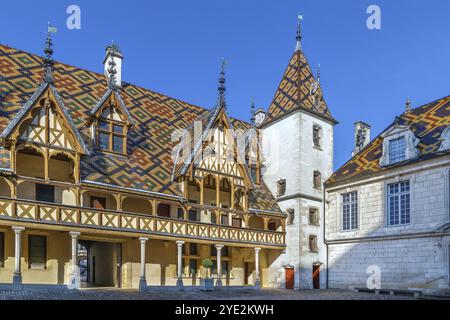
(289, 273)
(316, 277)
(246, 272)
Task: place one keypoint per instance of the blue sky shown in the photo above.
(175, 47)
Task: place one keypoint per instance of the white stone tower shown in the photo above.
(297, 134)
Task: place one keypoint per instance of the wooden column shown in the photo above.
(232, 194)
(202, 194)
(12, 157)
(217, 191)
(119, 199)
(76, 169)
(266, 223)
(46, 163)
(154, 204)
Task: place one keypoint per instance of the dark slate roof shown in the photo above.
(148, 166)
(294, 92)
(427, 123)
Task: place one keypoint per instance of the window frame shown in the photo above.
(317, 187)
(317, 128)
(42, 187)
(316, 220)
(390, 142)
(45, 252)
(350, 203)
(313, 239)
(111, 133)
(398, 195)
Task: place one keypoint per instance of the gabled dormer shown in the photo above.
(399, 144)
(110, 119)
(44, 132)
(208, 163)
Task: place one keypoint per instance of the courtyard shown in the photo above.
(242, 294)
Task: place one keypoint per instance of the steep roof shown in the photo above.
(149, 165)
(427, 123)
(294, 92)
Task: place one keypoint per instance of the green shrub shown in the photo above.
(207, 263)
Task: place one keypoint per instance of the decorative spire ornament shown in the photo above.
(48, 60)
(112, 75)
(252, 112)
(221, 99)
(299, 33)
(408, 105)
(318, 73)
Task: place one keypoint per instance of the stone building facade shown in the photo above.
(388, 216)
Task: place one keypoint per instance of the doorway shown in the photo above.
(316, 276)
(289, 274)
(100, 264)
(249, 267)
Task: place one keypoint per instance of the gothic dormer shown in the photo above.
(215, 163)
(110, 118)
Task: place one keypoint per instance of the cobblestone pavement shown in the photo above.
(272, 294)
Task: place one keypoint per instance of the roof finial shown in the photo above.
(221, 100)
(252, 111)
(48, 60)
(299, 33)
(318, 73)
(408, 104)
(112, 74)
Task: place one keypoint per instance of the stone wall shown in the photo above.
(409, 256)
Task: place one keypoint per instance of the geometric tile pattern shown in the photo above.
(294, 92)
(148, 164)
(427, 122)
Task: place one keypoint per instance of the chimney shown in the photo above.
(113, 52)
(260, 115)
(362, 136)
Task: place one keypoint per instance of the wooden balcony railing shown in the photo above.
(33, 211)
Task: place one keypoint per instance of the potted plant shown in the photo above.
(207, 282)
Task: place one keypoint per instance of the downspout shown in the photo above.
(324, 239)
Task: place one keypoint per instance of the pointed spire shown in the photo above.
(299, 33)
(252, 112)
(408, 105)
(48, 60)
(318, 73)
(112, 75)
(221, 99)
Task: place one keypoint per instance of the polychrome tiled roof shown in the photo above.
(148, 166)
(426, 122)
(294, 92)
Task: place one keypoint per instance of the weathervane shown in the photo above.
(222, 88)
(299, 33)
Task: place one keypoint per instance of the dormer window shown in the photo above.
(399, 144)
(397, 150)
(111, 136)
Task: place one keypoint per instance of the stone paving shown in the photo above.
(265, 294)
